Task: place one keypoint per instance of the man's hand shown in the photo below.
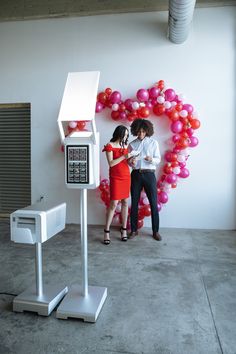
(148, 158)
(133, 161)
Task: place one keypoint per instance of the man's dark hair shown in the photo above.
(144, 124)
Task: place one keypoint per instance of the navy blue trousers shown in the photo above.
(146, 180)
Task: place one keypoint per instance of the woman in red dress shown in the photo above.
(119, 173)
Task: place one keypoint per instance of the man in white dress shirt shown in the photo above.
(146, 157)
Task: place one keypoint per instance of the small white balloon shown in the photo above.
(183, 113)
(115, 107)
(184, 152)
(72, 124)
(167, 104)
(135, 105)
(195, 114)
(145, 201)
(173, 104)
(142, 104)
(180, 158)
(160, 99)
(176, 170)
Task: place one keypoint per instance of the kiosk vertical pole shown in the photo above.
(38, 269)
(84, 242)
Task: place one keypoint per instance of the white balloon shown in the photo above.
(167, 104)
(180, 158)
(173, 104)
(72, 124)
(184, 152)
(183, 113)
(160, 99)
(135, 105)
(176, 170)
(115, 107)
(145, 201)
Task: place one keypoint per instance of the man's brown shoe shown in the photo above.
(133, 234)
(156, 236)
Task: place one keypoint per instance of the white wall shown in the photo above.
(131, 51)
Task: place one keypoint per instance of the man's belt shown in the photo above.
(144, 170)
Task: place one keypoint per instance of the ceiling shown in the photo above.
(11, 10)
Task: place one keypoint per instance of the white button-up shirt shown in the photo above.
(146, 147)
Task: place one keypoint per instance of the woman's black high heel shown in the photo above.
(107, 241)
(123, 238)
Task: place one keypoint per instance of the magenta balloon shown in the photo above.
(193, 141)
(163, 197)
(123, 115)
(159, 206)
(190, 131)
(182, 164)
(169, 94)
(175, 138)
(176, 126)
(115, 97)
(142, 95)
(153, 92)
(168, 156)
(149, 104)
(188, 107)
(184, 173)
(171, 178)
(128, 104)
(99, 107)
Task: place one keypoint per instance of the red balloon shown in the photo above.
(108, 91)
(144, 112)
(174, 115)
(81, 125)
(102, 97)
(195, 123)
(158, 109)
(115, 115)
(140, 224)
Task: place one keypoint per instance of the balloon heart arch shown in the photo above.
(183, 123)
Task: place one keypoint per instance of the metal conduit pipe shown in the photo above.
(180, 18)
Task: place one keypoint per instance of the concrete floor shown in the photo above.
(176, 296)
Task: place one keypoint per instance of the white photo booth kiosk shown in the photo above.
(36, 224)
(81, 172)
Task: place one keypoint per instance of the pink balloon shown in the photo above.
(149, 105)
(153, 92)
(184, 173)
(163, 197)
(188, 107)
(175, 138)
(169, 94)
(159, 206)
(193, 141)
(176, 126)
(99, 107)
(190, 131)
(128, 104)
(142, 95)
(182, 164)
(123, 115)
(115, 97)
(171, 178)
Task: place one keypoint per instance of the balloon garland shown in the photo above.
(183, 123)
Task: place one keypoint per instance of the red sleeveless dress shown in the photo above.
(119, 174)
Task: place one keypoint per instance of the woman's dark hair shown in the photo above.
(144, 124)
(119, 134)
